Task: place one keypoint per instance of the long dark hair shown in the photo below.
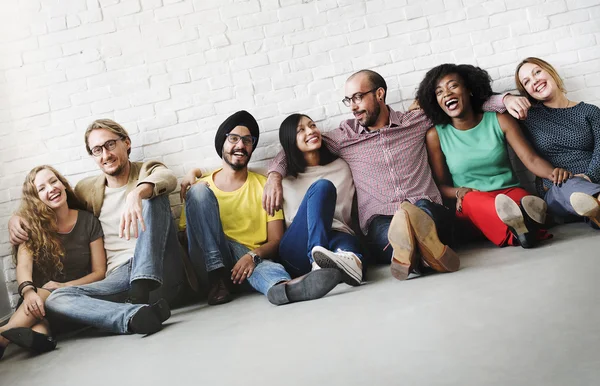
(475, 79)
(294, 157)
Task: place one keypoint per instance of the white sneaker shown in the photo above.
(315, 266)
(347, 262)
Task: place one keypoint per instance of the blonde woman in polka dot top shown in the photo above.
(567, 134)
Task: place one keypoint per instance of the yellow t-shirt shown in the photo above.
(242, 216)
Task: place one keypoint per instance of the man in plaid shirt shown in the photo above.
(399, 204)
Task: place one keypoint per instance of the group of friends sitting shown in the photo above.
(106, 254)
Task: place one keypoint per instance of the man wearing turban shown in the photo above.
(228, 228)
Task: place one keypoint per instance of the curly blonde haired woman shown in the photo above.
(65, 248)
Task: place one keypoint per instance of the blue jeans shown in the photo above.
(558, 198)
(207, 241)
(157, 257)
(312, 227)
(377, 236)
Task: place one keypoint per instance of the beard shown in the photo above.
(371, 117)
(236, 166)
(117, 171)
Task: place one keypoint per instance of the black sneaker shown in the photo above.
(149, 319)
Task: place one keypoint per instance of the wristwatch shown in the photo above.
(255, 258)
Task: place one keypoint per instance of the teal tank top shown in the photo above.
(478, 158)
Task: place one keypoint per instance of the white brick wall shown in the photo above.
(171, 70)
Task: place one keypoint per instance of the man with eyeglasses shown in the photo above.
(228, 228)
(143, 254)
(399, 204)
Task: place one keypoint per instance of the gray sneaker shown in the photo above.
(313, 285)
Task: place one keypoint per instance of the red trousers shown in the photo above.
(479, 208)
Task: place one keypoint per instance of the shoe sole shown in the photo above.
(219, 302)
(402, 240)
(350, 275)
(536, 208)
(436, 254)
(29, 339)
(586, 206)
(510, 214)
(314, 285)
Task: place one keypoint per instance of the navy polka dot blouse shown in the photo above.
(568, 138)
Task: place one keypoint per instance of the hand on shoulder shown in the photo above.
(517, 106)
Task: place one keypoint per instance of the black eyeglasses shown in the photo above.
(108, 145)
(246, 139)
(357, 98)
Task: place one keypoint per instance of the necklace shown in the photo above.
(568, 102)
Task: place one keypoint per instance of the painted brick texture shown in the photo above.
(171, 70)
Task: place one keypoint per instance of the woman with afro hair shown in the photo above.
(470, 161)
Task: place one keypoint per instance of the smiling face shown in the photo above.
(50, 189)
(452, 96)
(367, 110)
(237, 155)
(537, 82)
(111, 162)
(308, 136)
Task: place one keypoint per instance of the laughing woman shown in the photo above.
(567, 134)
(65, 247)
(317, 201)
(469, 157)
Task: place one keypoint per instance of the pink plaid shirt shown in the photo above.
(389, 165)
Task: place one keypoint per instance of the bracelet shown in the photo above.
(23, 285)
(458, 190)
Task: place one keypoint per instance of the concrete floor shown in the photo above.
(508, 317)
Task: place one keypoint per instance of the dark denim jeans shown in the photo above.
(377, 238)
(312, 227)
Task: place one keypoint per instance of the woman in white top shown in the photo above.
(317, 201)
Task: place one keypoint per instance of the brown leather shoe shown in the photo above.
(438, 256)
(218, 292)
(402, 239)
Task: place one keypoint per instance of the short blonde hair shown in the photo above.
(107, 124)
(546, 67)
